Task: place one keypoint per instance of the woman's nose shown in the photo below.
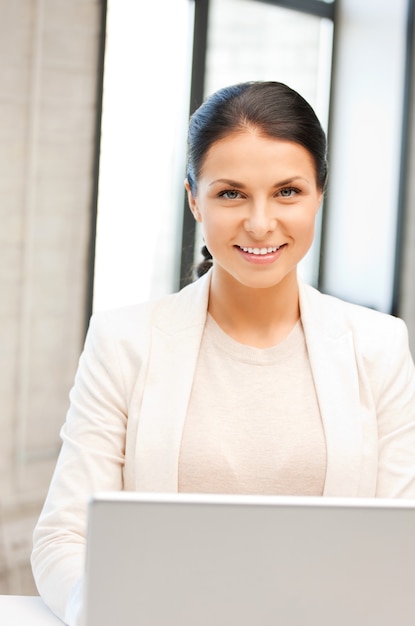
(260, 220)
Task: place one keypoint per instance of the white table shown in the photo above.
(26, 611)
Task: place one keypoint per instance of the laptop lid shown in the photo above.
(195, 560)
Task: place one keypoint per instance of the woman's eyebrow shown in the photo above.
(234, 183)
(291, 180)
(227, 181)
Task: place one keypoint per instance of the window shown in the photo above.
(145, 115)
(367, 118)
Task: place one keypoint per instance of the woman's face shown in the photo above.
(257, 199)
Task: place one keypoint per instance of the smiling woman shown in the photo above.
(246, 381)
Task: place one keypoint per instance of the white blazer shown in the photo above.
(128, 406)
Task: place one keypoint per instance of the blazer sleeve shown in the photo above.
(91, 459)
(396, 418)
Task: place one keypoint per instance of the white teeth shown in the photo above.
(259, 251)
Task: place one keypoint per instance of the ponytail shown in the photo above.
(205, 265)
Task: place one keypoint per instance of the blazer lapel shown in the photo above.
(175, 341)
(344, 399)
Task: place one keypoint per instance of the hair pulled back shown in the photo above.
(272, 108)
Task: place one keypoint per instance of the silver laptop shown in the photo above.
(190, 560)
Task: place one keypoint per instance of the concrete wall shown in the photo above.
(407, 297)
(48, 89)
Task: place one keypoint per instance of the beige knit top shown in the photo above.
(253, 424)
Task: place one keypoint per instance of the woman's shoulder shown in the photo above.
(370, 328)
(170, 312)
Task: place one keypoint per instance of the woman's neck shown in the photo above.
(257, 317)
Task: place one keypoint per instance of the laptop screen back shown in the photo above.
(178, 560)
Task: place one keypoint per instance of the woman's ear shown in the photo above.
(192, 202)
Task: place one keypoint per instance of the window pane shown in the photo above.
(365, 161)
(145, 115)
(251, 40)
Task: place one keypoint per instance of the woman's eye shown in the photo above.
(288, 192)
(230, 194)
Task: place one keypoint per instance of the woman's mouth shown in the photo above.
(260, 251)
(261, 256)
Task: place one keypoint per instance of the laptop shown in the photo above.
(209, 560)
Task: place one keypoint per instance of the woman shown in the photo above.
(246, 381)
